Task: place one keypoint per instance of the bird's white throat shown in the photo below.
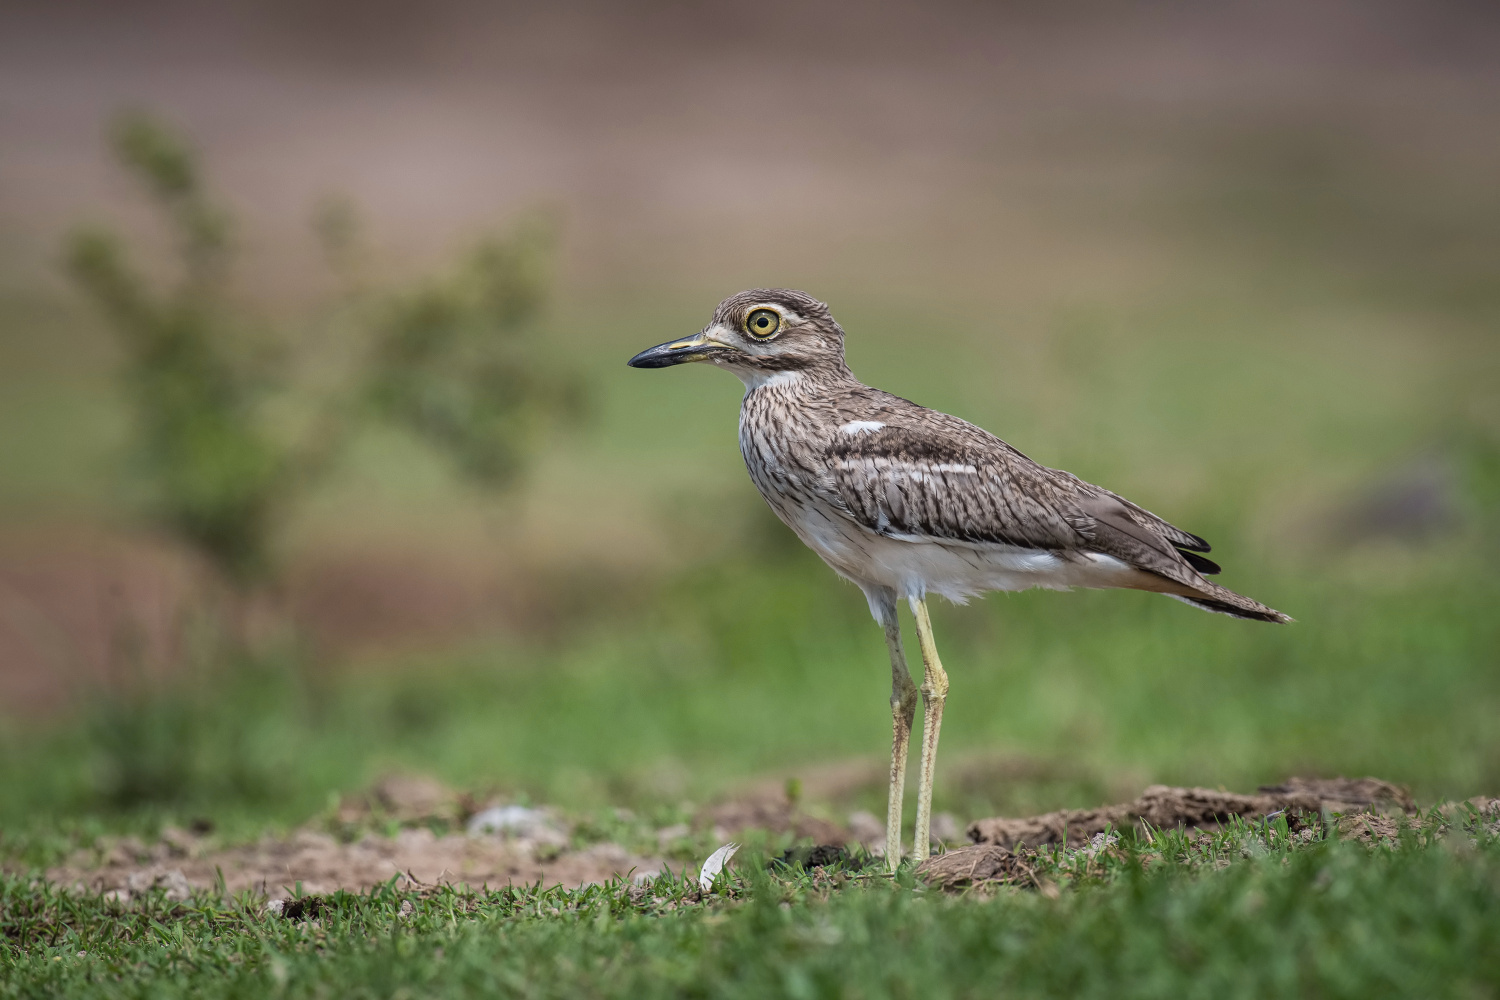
(756, 379)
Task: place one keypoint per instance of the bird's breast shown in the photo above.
(785, 453)
(785, 440)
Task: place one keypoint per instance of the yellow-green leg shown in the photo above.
(903, 711)
(934, 693)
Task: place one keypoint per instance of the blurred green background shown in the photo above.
(1237, 262)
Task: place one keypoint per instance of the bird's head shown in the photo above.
(758, 335)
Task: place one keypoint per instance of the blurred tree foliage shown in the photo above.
(449, 358)
(195, 375)
(450, 365)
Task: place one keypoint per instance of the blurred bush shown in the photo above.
(449, 358)
(450, 362)
(198, 370)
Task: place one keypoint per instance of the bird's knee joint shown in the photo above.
(935, 691)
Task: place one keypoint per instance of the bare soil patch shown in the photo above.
(322, 864)
(421, 852)
(357, 856)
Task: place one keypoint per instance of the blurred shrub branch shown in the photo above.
(449, 357)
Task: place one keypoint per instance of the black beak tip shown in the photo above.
(667, 355)
(645, 359)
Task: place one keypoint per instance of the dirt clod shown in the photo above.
(1481, 806)
(1369, 828)
(975, 865)
(1342, 795)
(303, 908)
(172, 884)
(820, 856)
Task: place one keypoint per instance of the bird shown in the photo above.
(908, 502)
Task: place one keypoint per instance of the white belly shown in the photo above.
(957, 571)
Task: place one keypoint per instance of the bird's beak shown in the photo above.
(678, 352)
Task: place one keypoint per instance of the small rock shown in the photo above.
(1099, 843)
(519, 822)
(406, 909)
(172, 884)
(175, 885)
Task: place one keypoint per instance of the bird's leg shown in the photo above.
(903, 711)
(934, 693)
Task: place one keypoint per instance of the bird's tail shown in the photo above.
(1212, 597)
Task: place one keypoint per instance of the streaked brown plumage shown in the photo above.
(906, 501)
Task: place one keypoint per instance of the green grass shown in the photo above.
(1250, 912)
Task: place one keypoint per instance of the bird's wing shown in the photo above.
(904, 483)
(935, 477)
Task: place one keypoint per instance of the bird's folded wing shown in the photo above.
(917, 484)
(969, 487)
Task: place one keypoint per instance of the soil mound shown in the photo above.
(1165, 807)
(975, 865)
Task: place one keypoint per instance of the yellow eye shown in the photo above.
(762, 324)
